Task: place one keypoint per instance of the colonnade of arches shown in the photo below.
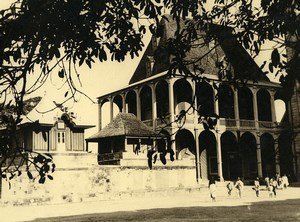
(239, 155)
(229, 154)
(167, 97)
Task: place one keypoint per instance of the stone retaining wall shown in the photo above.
(101, 182)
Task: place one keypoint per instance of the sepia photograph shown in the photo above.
(149, 110)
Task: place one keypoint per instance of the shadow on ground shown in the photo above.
(287, 210)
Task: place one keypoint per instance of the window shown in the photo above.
(61, 137)
(58, 137)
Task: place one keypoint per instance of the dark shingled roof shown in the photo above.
(125, 124)
(242, 63)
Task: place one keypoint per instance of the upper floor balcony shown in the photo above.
(222, 122)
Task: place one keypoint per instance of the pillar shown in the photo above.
(219, 156)
(138, 104)
(125, 145)
(171, 111)
(171, 100)
(111, 104)
(99, 115)
(255, 109)
(124, 108)
(277, 157)
(198, 167)
(216, 102)
(236, 108)
(258, 155)
(195, 113)
(154, 106)
(272, 95)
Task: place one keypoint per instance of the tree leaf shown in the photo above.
(271, 67)
(29, 175)
(42, 180)
(61, 74)
(275, 57)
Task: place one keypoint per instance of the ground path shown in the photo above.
(195, 206)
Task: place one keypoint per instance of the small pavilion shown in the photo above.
(126, 138)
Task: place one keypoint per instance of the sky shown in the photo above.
(103, 78)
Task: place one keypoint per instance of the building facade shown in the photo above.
(247, 140)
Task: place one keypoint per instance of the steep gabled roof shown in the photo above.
(125, 124)
(243, 65)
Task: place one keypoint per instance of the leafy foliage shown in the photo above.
(40, 35)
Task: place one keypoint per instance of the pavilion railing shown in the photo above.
(110, 156)
(247, 123)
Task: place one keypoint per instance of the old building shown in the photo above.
(248, 140)
(59, 132)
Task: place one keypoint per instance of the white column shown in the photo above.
(124, 110)
(219, 156)
(258, 155)
(198, 167)
(277, 157)
(154, 106)
(111, 104)
(236, 108)
(99, 115)
(198, 160)
(171, 111)
(216, 102)
(171, 100)
(255, 109)
(272, 95)
(138, 104)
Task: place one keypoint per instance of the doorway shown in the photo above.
(61, 141)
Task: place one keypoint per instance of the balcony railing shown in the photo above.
(247, 123)
(265, 124)
(222, 121)
(110, 156)
(228, 122)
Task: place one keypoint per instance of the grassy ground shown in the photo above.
(287, 210)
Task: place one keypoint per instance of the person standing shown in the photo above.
(275, 186)
(229, 188)
(212, 188)
(285, 181)
(267, 180)
(239, 186)
(256, 186)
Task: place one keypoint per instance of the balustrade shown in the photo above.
(110, 156)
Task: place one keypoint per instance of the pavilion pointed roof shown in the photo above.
(125, 124)
(226, 45)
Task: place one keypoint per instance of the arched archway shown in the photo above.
(162, 98)
(226, 102)
(185, 143)
(268, 155)
(208, 154)
(245, 99)
(183, 95)
(146, 103)
(231, 161)
(249, 157)
(286, 156)
(205, 98)
(131, 102)
(119, 102)
(264, 105)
